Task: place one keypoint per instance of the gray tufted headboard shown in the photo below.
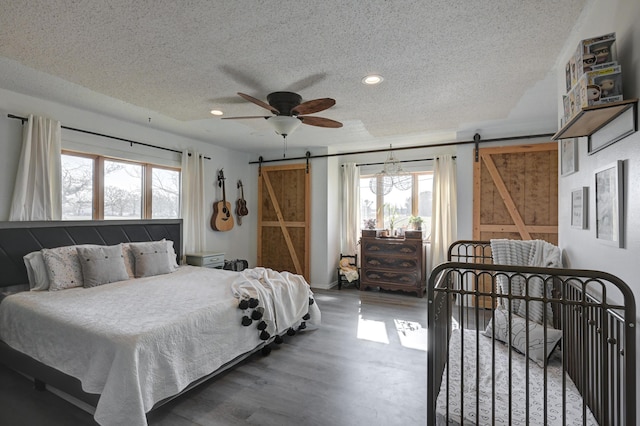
(20, 238)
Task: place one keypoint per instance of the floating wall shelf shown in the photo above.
(593, 118)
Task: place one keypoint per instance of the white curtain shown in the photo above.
(350, 208)
(37, 194)
(194, 221)
(444, 218)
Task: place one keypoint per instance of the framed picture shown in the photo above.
(579, 207)
(609, 204)
(568, 156)
(617, 129)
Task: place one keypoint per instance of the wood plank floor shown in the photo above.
(365, 365)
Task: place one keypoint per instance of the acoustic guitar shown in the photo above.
(222, 219)
(241, 204)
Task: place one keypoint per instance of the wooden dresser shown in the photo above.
(393, 263)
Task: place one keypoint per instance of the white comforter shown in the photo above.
(139, 341)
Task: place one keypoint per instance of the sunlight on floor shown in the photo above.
(372, 330)
(411, 334)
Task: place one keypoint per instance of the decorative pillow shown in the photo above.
(36, 271)
(519, 327)
(63, 267)
(130, 259)
(102, 265)
(151, 258)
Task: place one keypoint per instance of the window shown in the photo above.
(122, 190)
(77, 187)
(96, 187)
(394, 209)
(165, 193)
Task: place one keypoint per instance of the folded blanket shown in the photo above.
(537, 253)
(526, 253)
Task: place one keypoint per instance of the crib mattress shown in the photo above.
(462, 400)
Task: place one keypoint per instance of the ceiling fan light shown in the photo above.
(216, 112)
(283, 124)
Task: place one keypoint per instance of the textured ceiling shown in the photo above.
(450, 67)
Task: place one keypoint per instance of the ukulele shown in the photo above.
(222, 219)
(241, 204)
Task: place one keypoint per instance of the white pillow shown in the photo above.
(36, 271)
(151, 258)
(63, 268)
(172, 255)
(102, 265)
(519, 326)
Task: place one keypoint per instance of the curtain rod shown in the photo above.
(402, 148)
(23, 119)
(399, 161)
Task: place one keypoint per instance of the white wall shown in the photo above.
(240, 242)
(581, 248)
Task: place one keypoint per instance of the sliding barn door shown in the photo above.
(284, 218)
(515, 194)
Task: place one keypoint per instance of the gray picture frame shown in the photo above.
(580, 207)
(609, 204)
(568, 156)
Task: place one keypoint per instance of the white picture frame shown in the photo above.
(618, 129)
(580, 207)
(568, 156)
(609, 204)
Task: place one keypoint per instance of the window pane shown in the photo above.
(77, 188)
(122, 190)
(397, 208)
(367, 204)
(165, 190)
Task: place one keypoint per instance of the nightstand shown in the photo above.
(206, 259)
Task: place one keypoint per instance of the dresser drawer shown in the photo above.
(391, 247)
(406, 264)
(208, 260)
(380, 276)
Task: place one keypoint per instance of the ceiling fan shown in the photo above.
(289, 111)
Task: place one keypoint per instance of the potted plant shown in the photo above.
(416, 222)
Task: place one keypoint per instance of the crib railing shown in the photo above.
(594, 310)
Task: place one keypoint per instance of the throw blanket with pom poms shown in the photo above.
(275, 301)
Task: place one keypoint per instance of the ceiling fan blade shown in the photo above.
(315, 105)
(248, 116)
(320, 122)
(259, 103)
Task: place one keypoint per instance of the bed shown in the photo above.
(520, 344)
(128, 346)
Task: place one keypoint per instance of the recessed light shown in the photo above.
(216, 112)
(372, 79)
